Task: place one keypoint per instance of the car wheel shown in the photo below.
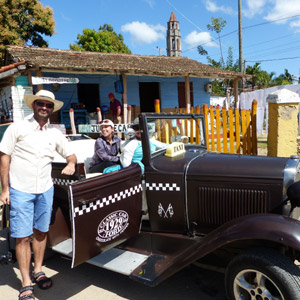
(262, 274)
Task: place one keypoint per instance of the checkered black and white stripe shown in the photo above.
(169, 187)
(60, 181)
(78, 211)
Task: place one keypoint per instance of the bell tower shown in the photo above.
(173, 37)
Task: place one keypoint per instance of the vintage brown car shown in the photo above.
(237, 212)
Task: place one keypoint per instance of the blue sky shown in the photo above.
(271, 28)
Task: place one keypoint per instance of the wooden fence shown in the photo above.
(232, 131)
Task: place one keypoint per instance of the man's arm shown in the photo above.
(4, 175)
(69, 169)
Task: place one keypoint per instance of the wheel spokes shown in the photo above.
(252, 285)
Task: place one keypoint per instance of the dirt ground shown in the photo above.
(87, 282)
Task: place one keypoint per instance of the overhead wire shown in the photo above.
(247, 27)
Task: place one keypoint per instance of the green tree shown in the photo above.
(217, 25)
(103, 40)
(260, 79)
(219, 86)
(25, 22)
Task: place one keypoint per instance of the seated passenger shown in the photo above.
(133, 151)
(107, 148)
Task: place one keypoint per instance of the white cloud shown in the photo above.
(254, 7)
(213, 7)
(150, 3)
(142, 33)
(200, 38)
(284, 9)
(295, 24)
(65, 17)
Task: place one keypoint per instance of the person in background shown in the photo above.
(26, 153)
(115, 108)
(133, 151)
(107, 148)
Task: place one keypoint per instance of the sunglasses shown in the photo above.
(42, 104)
(104, 122)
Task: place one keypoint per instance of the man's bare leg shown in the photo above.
(39, 246)
(23, 254)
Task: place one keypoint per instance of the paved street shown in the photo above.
(92, 283)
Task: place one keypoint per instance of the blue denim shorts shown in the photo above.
(28, 211)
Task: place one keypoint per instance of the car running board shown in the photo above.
(114, 259)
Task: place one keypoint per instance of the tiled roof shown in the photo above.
(53, 60)
(11, 69)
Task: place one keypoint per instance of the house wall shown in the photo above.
(168, 88)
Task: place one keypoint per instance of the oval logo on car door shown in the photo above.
(112, 226)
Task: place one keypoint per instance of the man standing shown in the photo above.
(115, 107)
(26, 152)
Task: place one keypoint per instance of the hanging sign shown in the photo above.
(49, 80)
(95, 128)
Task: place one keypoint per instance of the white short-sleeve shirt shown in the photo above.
(32, 151)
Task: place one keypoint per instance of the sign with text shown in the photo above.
(49, 80)
(95, 128)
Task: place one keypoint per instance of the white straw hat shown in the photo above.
(43, 95)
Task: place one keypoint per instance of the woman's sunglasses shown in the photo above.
(104, 122)
(42, 104)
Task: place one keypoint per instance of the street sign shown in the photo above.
(95, 128)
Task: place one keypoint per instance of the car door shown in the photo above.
(105, 211)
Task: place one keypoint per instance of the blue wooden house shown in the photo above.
(82, 80)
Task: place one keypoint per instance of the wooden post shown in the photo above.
(244, 139)
(212, 127)
(129, 114)
(39, 74)
(125, 113)
(237, 131)
(72, 121)
(254, 130)
(224, 120)
(157, 110)
(205, 112)
(157, 105)
(192, 128)
(218, 125)
(249, 149)
(198, 137)
(99, 115)
(236, 91)
(187, 94)
(231, 135)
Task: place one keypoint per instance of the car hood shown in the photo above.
(233, 167)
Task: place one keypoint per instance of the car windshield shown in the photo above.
(187, 129)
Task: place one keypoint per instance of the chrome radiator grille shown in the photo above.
(219, 205)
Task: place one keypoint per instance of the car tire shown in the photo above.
(262, 274)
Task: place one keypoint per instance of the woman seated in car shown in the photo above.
(107, 148)
(133, 151)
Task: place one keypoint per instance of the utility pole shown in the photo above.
(240, 37)
(159, 50)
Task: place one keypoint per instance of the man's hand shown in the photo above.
(4, 197)
(69, 169)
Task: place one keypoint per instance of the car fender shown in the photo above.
(268, 227)
(265, 227)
